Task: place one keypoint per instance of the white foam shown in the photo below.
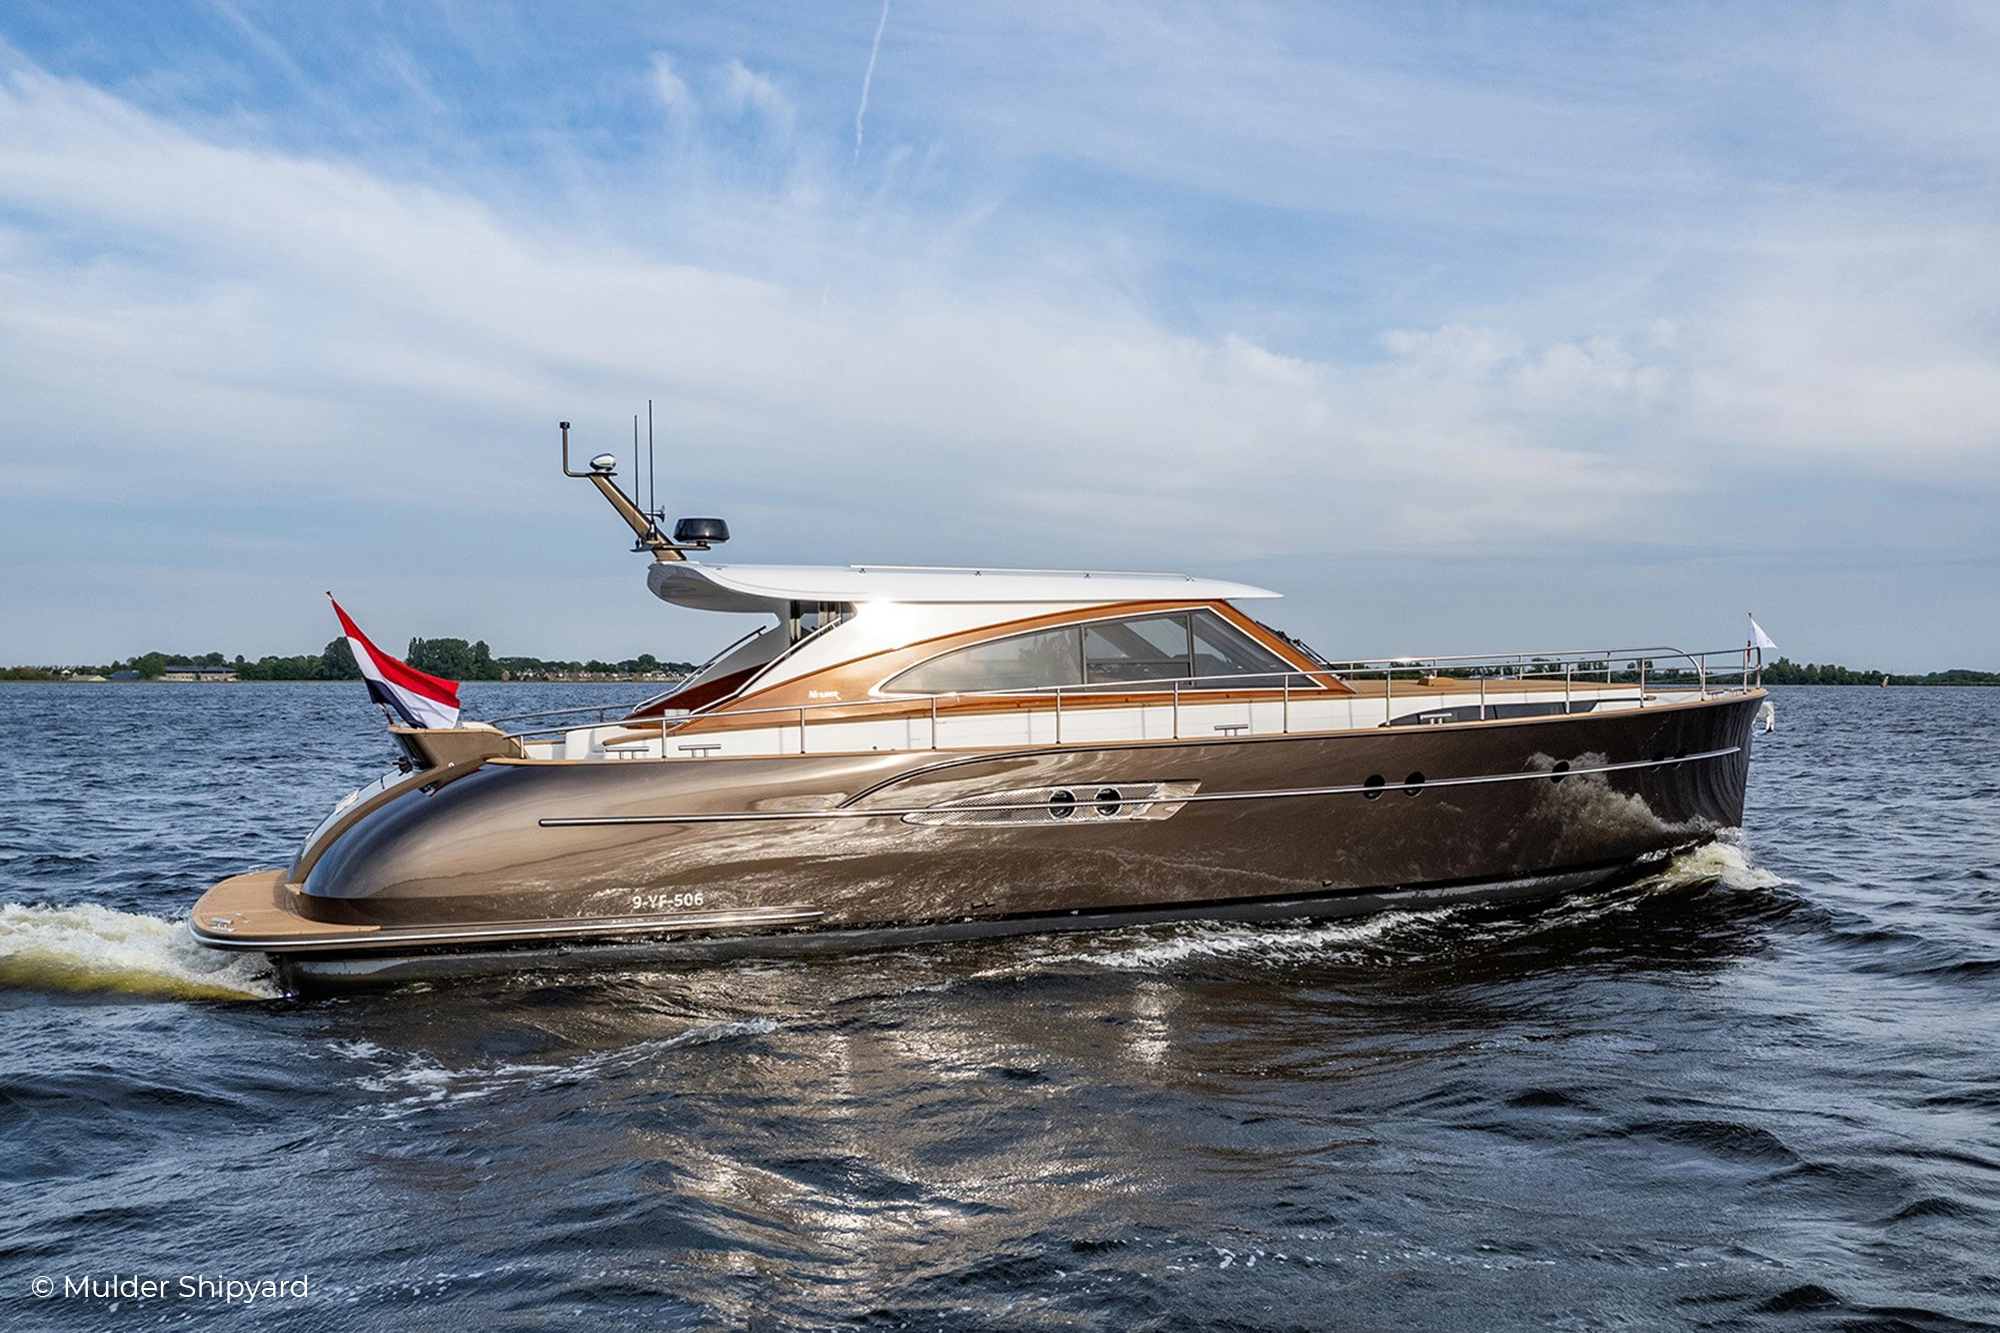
(1719, 862)
(416, 1082)
(1276, 942)
(702, 1036)
(91, 948)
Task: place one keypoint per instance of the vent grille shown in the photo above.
(1072, 803)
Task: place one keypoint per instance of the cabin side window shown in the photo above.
(1142, 649)
(1020, 662)
(1136, 653)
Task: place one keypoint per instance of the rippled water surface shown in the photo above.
(1761, 1091)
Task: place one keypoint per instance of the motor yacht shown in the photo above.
(897, 754)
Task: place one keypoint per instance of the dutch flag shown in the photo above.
(420, 700)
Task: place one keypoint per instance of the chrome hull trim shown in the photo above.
(1279, 794)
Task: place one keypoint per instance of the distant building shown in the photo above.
(199, 674)
(124, 675)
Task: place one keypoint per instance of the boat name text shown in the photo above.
(664, 902)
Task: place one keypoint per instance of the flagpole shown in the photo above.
(388, 718)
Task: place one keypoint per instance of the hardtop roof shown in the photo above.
(773, 588)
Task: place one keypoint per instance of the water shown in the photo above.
(1760, 1092)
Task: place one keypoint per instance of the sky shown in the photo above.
(1469, 327)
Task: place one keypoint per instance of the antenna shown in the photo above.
(652, 469)
(690, 534)
(567, 470)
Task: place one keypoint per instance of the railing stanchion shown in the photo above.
(1058, 716)
(1177, 710)
(1388, 694)
(1567, 706)
(1285, 718)
(1482, 698)
(802, 728)
(934, 743)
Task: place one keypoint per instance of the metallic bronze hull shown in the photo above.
(695, 857)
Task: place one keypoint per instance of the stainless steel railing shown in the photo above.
(600, 710)
(1590, 671)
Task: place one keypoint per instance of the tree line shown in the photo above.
(454, 659)
(1784, 671)
(334, 662)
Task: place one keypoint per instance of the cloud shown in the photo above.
(1144, 289)
(673, 91)
(1863, 340)
(1600, 368)
(747, 92)
(225, 290)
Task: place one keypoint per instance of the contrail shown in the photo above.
(861, 111)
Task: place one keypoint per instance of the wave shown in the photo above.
(1719, 862)
(415, 1081)
(702, 1036)
(1267, 942)
(1412, 931)
(95, 949)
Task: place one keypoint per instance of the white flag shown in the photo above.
(1758, 638)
